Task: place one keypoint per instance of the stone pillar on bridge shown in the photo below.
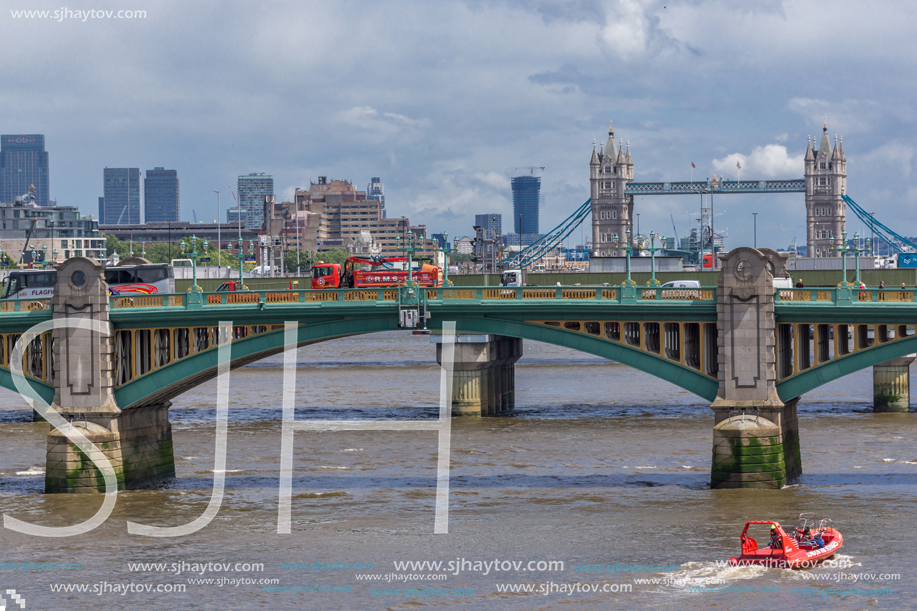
(891, 385)
(756, 435)
(483, 378)
(138, 442)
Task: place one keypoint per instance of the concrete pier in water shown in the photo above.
(483, 379)
(766, 454)
(137, 442)
(891, 384)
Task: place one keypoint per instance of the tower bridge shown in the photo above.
(612, 191)
(114, 363)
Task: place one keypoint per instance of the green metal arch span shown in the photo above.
(811, 379)
(172, 380)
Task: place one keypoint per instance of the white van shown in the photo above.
(783, 283)
(682, 284)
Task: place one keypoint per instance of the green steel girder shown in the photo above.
(175, 378)
(826, 313)
(838, 367)
(683, 377)
(44, 390)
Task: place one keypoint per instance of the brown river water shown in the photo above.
(594, 495)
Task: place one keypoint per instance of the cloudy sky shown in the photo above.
(440, 99)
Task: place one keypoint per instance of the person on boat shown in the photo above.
(775, 537)
(819, 542)
(805, 537)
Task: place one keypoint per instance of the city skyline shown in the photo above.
(442, 138)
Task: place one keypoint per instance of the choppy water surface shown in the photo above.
(601, 466)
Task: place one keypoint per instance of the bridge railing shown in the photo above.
(850, 295)
(24, 305)
(479, 293)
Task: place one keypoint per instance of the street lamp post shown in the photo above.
(409, 248)
(219, 241)
(653, 250)
(194, 255)
(241, 258)
(627, 250)
(755, 215)
(856, 250)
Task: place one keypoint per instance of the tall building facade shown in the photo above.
(161, 196)
(376, 190)
(23, 163)
(252, 190)
(121, 205)
(526, 202)
(491, 223)
(610, 169)
(826, 183)
(333, 214)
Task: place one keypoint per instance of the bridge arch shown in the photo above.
(814, 377)
(173, 379)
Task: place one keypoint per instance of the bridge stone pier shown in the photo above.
(891, 382)
(756, 435)
(138, 442)
(483, 378)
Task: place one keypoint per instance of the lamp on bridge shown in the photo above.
(856, 250)
(409, 248)
(194, 255)
(653, 249)
(627, 250)
(241, 258)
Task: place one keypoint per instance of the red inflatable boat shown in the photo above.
(801, 547)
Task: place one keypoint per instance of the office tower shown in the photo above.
(252, 190)
(122, 196)
(101, 210)
(526, 198)
(376, 190)
(23, 163)
(161, 196)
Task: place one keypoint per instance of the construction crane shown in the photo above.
(194, 214)
(530, 168)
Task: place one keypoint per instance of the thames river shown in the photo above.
(595, 495)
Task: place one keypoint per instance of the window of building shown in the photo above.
(614, 214)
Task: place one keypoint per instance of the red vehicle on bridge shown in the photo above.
(371, 272)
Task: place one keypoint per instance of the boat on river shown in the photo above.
(801, 547)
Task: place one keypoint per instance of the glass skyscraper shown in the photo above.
(376, 190)
(252, 191)
(161, 202)
(121, 204)
(23, 163)
(526, 200)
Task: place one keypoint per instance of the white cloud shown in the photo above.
(494, 180)
(626, 30)
(382, 124)
(768, 161)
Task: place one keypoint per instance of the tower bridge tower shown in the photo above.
(826, 182)
(610, 169)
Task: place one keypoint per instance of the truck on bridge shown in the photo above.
(371, 272)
